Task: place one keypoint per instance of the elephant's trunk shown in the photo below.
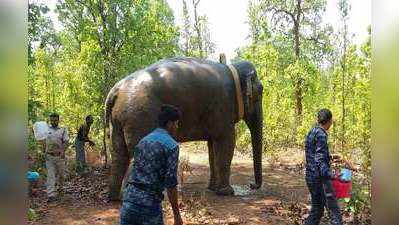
(255, 124)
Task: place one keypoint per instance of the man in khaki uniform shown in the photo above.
(56, 144)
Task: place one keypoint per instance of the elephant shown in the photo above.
(211, 100)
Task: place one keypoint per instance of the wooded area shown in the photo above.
(303, 63)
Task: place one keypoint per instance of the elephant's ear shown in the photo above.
(249, 90)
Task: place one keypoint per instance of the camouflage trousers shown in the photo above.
(55, 174)
(133, 214)
(322, 195)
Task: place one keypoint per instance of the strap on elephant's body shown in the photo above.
(238, 91)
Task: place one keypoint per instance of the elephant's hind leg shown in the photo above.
(224, 150)
(212, 167)
(120, 161)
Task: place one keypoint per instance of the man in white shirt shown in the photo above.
(56, 143)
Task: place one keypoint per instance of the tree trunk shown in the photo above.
(105, 143)
(198, 28)
(334, 100)
(343, 89)
(298, 85)
(298, 97)
(107, 72)
(186, 45)
(297, 42)
(53, 106)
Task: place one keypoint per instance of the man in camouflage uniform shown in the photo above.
(55, 146)
(153, 170)
(318, 175)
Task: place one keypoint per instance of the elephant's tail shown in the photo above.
(109, 103)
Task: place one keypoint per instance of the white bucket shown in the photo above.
(40, 130)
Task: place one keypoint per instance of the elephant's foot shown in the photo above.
(255, 186)
(226, 190)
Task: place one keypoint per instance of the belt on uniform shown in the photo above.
(145, 187)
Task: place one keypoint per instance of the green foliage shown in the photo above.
(243, 140)
(320, 82)
(40, 29)
(360, 198)
(298, 19)
(102, 41)
(195, 37)
(32, 215)
(71, 71)
(325, 74)
(359, 205)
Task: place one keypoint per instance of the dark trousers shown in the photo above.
(133, 214)
(322, 195)
(80, 156)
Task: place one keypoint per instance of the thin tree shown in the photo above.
(297, 14)
(344, 8)
(186, 30)
(197, 27)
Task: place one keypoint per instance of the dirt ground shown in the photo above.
(283, 199)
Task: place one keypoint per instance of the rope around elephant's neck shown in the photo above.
(238, 91)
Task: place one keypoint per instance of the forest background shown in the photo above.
(304, 64)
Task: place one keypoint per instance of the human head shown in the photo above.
(89, 120)
(168, 118)
(324, 118)
(54, 119)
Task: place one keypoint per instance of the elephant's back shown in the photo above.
(187, 76)
(127, 95)
(178, 78)
(197, 87)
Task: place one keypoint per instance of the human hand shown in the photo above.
(335, 174)
(336, 157)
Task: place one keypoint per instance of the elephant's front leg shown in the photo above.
(224, 150)
(212, 167)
